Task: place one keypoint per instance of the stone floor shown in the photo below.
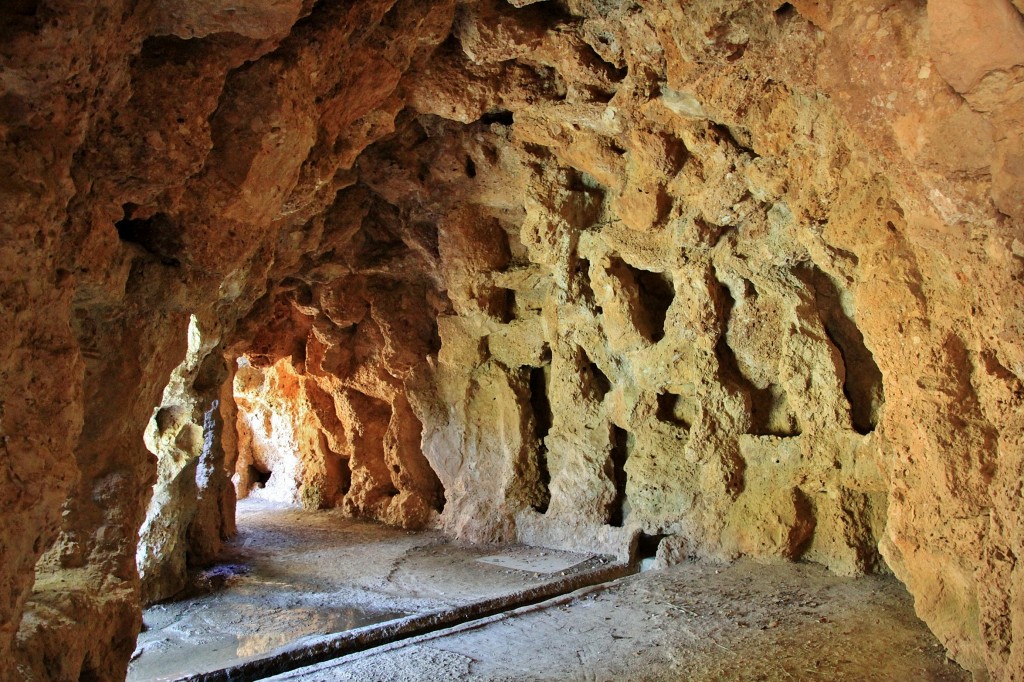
(696, 622)
(292, 576)
(292, 580)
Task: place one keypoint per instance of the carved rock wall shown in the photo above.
(744, 275)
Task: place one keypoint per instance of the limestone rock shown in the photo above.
(745, 275)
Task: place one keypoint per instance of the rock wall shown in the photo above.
(741, 275)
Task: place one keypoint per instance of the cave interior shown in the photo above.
(678, 283)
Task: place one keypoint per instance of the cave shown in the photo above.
(692, 333)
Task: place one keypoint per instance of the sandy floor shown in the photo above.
(696, 622)
(292, 574)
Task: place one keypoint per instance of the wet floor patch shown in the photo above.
(220, 636)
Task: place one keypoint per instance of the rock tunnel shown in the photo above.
(739, 275)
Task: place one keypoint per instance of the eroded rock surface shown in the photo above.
(745, 275)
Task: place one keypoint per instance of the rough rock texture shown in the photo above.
(741, 274)
(192, 508)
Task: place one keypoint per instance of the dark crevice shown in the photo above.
(599, 96)
(709, 233)
(615, 74)
(619, 453)
(582, 279)
(470, 168)
(390, 22)
(723, 133)
(501, 304)
(298, 291)
(156, 235)
(647, 546)
(542, 419)
(19, 16)
(500, 116)
(784, 13)
(654, 292)
(89, 673)
(769, 415)
(258, 476)
(344, 467)
(595, 382)
(676, 153)
(671, 410)
(862, 383)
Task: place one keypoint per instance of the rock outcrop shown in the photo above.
(742, 276)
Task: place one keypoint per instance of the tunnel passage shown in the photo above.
(328, 185)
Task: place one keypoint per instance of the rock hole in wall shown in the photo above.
(502, 117)
(770, 414)
(593, 59)
(673, 409)
(338, 467)
(502, 305)
(159, 50)
(540, 405)
(676, 153)
(470, 168)
(390, 20)
(587, 199)
(299, 292)
(709, 233)
(519, 255)
(583, 285)
(647, 548)
(862, 381)
(653, 293)
(258, 476)
(156, 234)
(656, 294)
(598, 95)
(90, 673)
(784, 13)
(170, 417)
(621, 444)
(595, 382)
(552, 85)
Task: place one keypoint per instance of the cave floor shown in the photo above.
(694, 621)
(291, 576)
